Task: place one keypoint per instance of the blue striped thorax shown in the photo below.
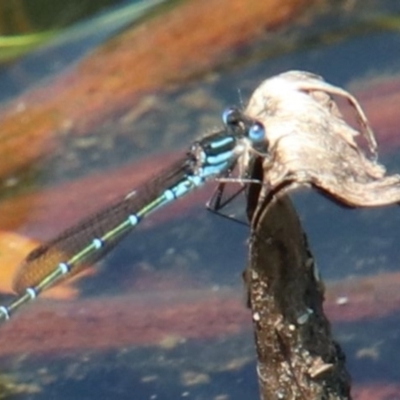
(217, 153)
(214, 154)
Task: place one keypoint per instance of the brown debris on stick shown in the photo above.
(310, 144)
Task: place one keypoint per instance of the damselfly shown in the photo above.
(213, 156)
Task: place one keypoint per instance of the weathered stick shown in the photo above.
(297, 358)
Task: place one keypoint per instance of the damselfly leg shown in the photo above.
(218, 201)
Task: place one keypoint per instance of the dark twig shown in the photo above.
(297, 358)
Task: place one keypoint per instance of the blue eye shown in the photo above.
(257, 133)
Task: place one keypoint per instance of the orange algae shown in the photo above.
(185, 41)
(13, 249)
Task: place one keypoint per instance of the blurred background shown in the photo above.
(97, 97)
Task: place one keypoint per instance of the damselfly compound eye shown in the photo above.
(231, 116)
(257, 132)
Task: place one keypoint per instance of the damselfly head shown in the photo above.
(244, 126)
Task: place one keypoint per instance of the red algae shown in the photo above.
(363, 298)
(147, 318)
(378, 391)
(54, 209)
(123, 320)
